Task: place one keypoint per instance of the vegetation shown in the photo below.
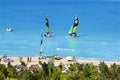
(47, 71)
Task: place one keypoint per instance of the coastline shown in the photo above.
(35, 61)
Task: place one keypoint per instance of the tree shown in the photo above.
(47, 70)
(90, 72)
(73, 71)
(2, 76)
(115, 71)
(3, 70)
(105, 73)
(24, 75)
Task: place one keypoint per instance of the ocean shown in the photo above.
(98, 30)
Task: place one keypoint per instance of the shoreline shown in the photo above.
(78, 58)
(35, 61)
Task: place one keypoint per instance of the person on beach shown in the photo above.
(29, 59)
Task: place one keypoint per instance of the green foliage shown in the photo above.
(3, 70)
(105, 73)
(25, 75)
(90, 72)
(63, 77)
(28, 75)
(23, 63)
(12, 72)
(34, 68)
(115, 72)
(11, 79)
(73, 71)
(48, 71)
(2, 76)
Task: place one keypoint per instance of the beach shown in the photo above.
(35, 61)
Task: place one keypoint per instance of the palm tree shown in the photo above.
(3, 70)
(105, 73)
(115, 71)
(34, 69)
(23, 64)
(51, 72)
(118, 71)
(47, 70)
(12, 72)
(24, 75)
(2, 76)
(90, 72)
(73, 71)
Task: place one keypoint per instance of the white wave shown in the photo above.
(65, 49)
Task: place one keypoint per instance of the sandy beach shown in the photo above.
(35, 61)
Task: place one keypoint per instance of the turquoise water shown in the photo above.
(99, 28)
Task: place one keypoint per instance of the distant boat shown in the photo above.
(9, 29)
(72, 31)
(49, 33)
